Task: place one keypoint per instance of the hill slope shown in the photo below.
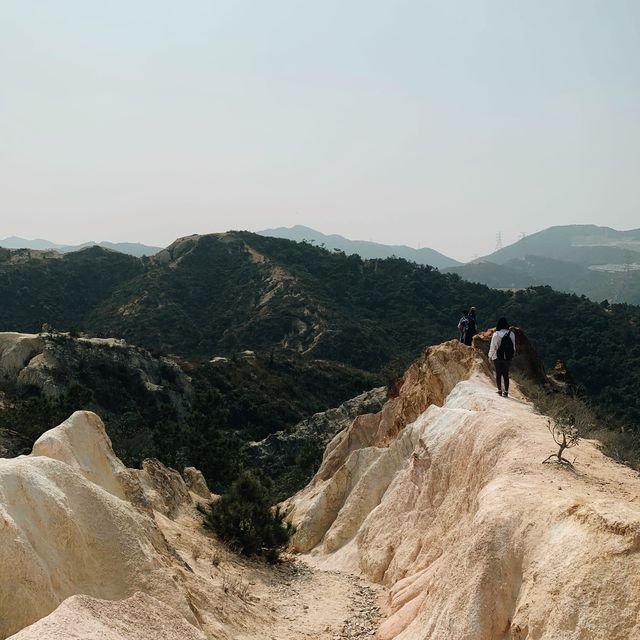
(584, 244)
(599, 262)
(363, 248)
(220, 294)
(183, 413)
(440, 496)
(598, 282)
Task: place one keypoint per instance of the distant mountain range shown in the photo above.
(598, 262)
(130, 248)
(362, 248)
(585, 244)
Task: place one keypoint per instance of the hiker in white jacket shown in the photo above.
(501, 352)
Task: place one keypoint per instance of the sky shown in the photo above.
(436, 124)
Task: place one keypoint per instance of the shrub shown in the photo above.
(245, 519)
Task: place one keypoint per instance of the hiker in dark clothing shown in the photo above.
(462, 324)
(472, 327)
(501, 352)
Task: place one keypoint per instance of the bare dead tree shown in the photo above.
(565, 435)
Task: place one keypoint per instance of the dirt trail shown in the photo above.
(313, 604)
(292, 600)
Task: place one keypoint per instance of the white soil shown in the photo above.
(313, 604)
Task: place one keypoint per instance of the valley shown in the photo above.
(419, 499)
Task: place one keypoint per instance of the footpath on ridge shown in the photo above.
(442, 497)
(433, 518)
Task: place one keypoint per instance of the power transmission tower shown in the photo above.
(498, 240)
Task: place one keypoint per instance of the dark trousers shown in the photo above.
(502, 373)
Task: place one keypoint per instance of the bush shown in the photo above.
(245, 520)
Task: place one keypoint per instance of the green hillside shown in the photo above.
(61, 290)
(570, 277)
(598, 262)
(585, 244)
(220, 294)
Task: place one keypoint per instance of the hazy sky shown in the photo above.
(424, 123)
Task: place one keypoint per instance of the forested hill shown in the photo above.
(217, 294)
(365, 249)
(599, 262)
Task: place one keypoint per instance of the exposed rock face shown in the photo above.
(442, 497)
(196, 483)
(163, 487)
(82, 443)
(561, 377)
(319, 429)
(55, 362)
(16, 350)
(74, 520)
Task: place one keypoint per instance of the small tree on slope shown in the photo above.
(565, 435)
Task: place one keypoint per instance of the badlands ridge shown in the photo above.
(441, 497)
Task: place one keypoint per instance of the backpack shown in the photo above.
(506, 350)
(462, 325)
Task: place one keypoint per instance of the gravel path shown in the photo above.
(312, 604)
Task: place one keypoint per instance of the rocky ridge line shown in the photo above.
(443, 498)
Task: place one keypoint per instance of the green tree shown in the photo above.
(244, 518)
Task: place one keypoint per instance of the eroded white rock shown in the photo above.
(140, 617)
(74, 521)
(451, 508)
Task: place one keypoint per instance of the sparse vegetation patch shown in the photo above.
(245, 519)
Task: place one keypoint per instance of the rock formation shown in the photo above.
(53, 362)
(87, 543)
(442, 497)
(196, 483)
(319, 429)
(16, 350)
(139, 617)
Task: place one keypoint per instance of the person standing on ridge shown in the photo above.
(472, 327)
(501, 352)
(462, 324)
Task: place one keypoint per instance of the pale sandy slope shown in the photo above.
(451, 508)
(92, 550)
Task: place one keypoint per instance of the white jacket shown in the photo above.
(496, 339)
